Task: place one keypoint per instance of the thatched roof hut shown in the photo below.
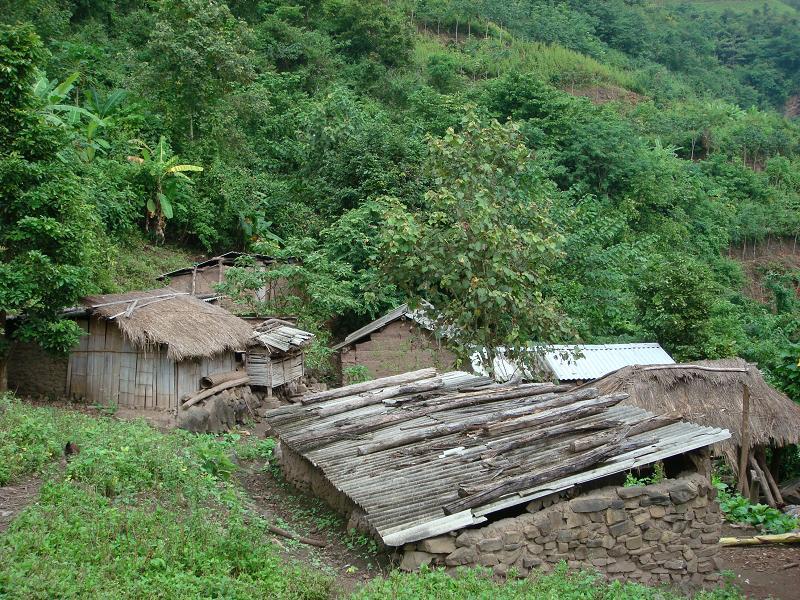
(186, 326)
(143, 350)
(710, 392)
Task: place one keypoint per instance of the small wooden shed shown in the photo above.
(275, 354)
(144, 349)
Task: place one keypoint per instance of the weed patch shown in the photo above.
(739, 509)
(136, 514)
(478, 584)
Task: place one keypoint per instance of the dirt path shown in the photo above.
(14, 498)
(353, 559)
(769, 571)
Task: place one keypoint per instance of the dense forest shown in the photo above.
(593, 170)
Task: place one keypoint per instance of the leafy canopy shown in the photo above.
(482, 246)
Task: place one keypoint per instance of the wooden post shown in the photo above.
(761, 459)
(763, 481)
(194, 280)
(752, 494)
(744, 441)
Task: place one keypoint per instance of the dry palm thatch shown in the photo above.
(710, 392)
(188, 327)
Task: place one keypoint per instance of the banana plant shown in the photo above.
(51, 95)
(166, 174)
(98, 110)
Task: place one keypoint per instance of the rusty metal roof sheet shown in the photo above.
(425, 463)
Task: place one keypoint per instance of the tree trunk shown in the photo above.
(456, 31)
(4, 351)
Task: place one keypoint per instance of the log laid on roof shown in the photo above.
(379, 395)
(448, 402)
(521, 482)
(374, 384)
(545, 412)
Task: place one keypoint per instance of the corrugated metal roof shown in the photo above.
(412, 461)
(594, 361)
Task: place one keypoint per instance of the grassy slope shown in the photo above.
(142, 514)
(137, 264)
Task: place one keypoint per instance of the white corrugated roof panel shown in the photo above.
(594, 361)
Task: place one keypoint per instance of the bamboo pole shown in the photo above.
(210, 381)
(744, 441)
(783, 538)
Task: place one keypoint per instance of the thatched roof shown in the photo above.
(187, 326)
(710, 392)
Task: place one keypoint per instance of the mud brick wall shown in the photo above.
(663, 533)
(34, 372)
(399, 347)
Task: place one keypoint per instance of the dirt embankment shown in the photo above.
(792, 108)
(778, 255)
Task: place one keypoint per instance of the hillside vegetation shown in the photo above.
(358, 134)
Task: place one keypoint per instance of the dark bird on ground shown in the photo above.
(71, 449)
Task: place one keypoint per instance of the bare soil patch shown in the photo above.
(15, 498)
(768, 571)
(348, 556)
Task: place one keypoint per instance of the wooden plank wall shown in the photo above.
(105, 368)
(189, 372)
(267, 372)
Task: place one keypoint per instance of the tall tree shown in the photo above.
(197, 51)
(482, 247)
(47, 240)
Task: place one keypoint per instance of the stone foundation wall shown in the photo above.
(663, 533)
(306, 477)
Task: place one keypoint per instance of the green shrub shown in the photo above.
(739, 509)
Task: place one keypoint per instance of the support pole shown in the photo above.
(744, 441)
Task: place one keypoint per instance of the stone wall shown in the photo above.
(224, 411)
(298, 471)
(399, 347)
(34, 372)
(663, 533)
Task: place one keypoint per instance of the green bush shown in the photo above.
(739, 509)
